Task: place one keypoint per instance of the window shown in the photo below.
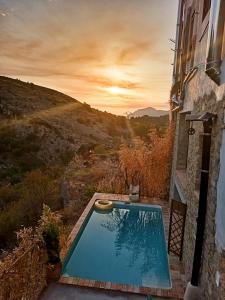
(206, 8)
(183, 142)
(189, 41)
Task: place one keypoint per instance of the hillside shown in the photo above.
(149, 111)
(40, 127)
(56, 150)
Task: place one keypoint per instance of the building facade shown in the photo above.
(198, 170)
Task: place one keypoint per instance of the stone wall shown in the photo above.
(213, 262)
(25, 278)
(201, 94)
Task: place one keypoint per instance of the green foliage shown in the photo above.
(89, 191)
(50, 224)
(22, 204)
(66, 156)
(142, 125)
(8, 194)
(11, 174)
(112, 130)
(85, 149)
(100, 149)
(15, 144)
(21, 150)
(11, 218)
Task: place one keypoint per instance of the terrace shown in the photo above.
(74, 287)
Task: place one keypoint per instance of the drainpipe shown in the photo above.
(215, 39)
(193, 291)
(202, 202)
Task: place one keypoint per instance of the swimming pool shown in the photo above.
(124, 246)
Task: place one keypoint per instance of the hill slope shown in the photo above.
(40, 127)
(41, 130)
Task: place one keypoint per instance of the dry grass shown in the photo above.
(145, 164)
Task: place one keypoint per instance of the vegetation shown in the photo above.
(21, 204)
(44, 145)
(142, 125)
(146, 164)
(23, 270)
(50, 225)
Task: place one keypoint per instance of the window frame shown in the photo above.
(204, 22)
(204, 11)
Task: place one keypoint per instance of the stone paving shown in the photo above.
(57, 291)
(177, 274)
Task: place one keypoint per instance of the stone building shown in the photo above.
(198, 170)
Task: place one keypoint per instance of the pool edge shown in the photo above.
(164, 292)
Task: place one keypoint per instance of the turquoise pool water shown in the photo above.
(126, 246)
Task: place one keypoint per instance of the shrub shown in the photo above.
(89, 191)
(8, 194)
(11, 174)
(67, 156)
(24, 206)
(99, 149)
(72, 211)
(11, 219)
(37, 189)
(148, 164)
(50, 225)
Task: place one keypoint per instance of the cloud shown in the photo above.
(72, 44)
(133, 52)
(3, 13)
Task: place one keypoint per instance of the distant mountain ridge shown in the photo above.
(149, 111)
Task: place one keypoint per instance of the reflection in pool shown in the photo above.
(126, 245)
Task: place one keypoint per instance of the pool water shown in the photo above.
(124, 246)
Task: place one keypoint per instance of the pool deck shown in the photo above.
(176, 270)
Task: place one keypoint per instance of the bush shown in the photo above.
(72, 211)
(50, 224)
(37, 189)
(148, 164)
(89, 191)
(99, 149)
(11, 174)
(23, 206)
(8, 194)
(67, 156)
(11, 219)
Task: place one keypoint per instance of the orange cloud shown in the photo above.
(132, 53)
(80, 47)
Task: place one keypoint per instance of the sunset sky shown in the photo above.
(112, 54)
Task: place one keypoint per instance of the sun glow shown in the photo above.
(115, 90)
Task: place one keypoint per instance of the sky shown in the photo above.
(113, 54)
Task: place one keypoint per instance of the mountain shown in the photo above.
(149, 111)
(41, 127)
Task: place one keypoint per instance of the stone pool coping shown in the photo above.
(176, 291)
